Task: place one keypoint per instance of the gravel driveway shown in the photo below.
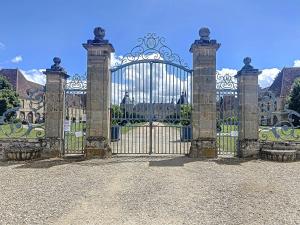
(150, 190)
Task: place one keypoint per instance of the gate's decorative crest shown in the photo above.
(77, 82)
(226, 81)
(154, 47)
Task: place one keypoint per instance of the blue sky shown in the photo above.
(36, 31)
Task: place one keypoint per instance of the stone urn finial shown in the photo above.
(99, 33)
(204, 34)
(247, 61)
(56, 66)
(56, 61)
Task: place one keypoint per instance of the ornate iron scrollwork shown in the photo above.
(287, 124)
(154, 47)
(226, 81)
(12, 126)
(77, 82)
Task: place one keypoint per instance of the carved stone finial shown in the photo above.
(99, 33)
(56, 66)
(247, 68)
(247, 61)
(247, 65)
(204, 34)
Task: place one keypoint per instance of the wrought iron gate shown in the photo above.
(151, 101)
(75, 116)
(227, 114)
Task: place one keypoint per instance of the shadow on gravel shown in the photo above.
(47, 163)
(231, 161)
(173, 162)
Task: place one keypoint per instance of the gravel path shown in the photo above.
(150, 190)
(166, 140)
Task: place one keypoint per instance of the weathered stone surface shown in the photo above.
(279, 155)
(98, 95)
(54, 109)
(248, 148)
(20, 149)
(205, 148)
(204, 96)
(280, 151)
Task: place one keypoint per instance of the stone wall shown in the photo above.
(280, 151)
(20, 149)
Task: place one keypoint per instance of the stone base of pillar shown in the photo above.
(97, 147)
(203, 148)
(248, 148)
(97, 153)
(51, 147)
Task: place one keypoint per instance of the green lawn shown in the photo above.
(8, 131)
(284, 135)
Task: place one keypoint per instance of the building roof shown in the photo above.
(19, 82)
(282, 84)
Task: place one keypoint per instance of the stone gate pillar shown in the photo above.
(247, 77)
(54, 106)
(204, 96)
(98, 95)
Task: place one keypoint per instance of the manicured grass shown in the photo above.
(10, 131)
(283, 135)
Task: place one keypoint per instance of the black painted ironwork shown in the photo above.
(152, 47)
(227, 114)
(277, 124)
(75, 115)
(151, 101)
(14, 124)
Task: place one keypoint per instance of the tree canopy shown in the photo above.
(8, 96)
(294, 98)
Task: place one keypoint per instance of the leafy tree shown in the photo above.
(294, 101)
(116, 114)
(185, 114)
(8, 96)
(294, 98)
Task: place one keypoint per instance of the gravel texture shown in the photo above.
(150, 190)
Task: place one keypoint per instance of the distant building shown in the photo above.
(275, 98)
(158, 111)
(21, 85)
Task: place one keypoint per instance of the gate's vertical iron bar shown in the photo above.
(171, 131)
(176, 130)
(183, 88)
(132, 108)
(158, 109)
(151, 109)
(137, 103)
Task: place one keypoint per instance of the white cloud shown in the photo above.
(231, 72)
(266, 78)
(2, 46)
(166, 83)
(35, 75)
(17, 59)
(297, 63)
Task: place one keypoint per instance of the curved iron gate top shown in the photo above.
(151, 47)
(151, 97)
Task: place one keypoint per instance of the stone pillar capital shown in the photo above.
(247, 69)
(99, 44)
(56, 69)
(204, 42)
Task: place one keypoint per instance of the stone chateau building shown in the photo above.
(21, 85)
(160, 111)
(277, 94)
